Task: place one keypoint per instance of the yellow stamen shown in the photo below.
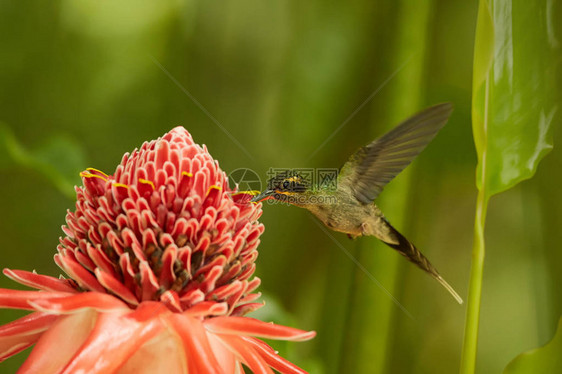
(144, 181)
(186, 173)
(99, 171)
(120, 185)
(84, 174)
(213, 187)
(251, 192)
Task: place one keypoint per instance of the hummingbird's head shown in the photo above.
(282, 187)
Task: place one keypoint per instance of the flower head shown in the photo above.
(160, 257)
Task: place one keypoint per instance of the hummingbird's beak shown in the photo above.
(263, 196)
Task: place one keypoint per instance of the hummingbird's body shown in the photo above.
(350, 207)
(340, 211)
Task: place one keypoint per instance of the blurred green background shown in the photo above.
(84, 82)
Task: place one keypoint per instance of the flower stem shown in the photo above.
(468, 360)
(470, 344)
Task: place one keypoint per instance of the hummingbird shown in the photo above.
(349, 206)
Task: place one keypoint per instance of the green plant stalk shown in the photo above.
(481, 64)
(514, 61)
(470, 345)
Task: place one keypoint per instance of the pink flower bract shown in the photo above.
(160, 257)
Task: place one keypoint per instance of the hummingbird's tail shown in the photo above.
(408, 250)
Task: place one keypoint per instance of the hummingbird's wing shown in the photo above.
(370, 168)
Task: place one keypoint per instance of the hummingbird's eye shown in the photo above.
(286, 184)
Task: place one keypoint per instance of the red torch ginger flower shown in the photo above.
(159, 257)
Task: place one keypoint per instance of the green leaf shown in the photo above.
(546, 359)
(514, 104)
(515, 93)
(58, 159)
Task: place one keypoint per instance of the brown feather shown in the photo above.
(370, 168)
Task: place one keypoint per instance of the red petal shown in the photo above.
(162, 153)
(21, 333)
(16, 299)
(115, 286)
(272, 358)
(93, 183)
(192, 297)
(226, 291)
(37, 281)
(167, 276)
(250, 357)
(79, 273)
(84, 260)
(235, 269)
(30, 324)
(72, 304)
(119, 192)
(148, 310)
(246, 273)
(207, 308)
(243, 197)
(129, 274)
(244, 309)
(210, 279)
(235, 297)
(100, 259)
(59, 343)
(114, 339)
(254, 327)
(162, 354)
(250, 297)
(201, 358)
(252, 285)
(219, 261)
(148, 281)
(15, 344)
(172, 301)
(228, 360)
